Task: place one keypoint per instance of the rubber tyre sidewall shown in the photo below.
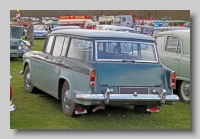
(30, 89)
(180, 94)
(71, 111)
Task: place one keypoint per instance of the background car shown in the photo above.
(12, 106)
(115, 28)
(161, 29)
(174, 52)
(18, 46)
(65, 27)
(39, 32)
(143, 29)
(121, 29)
(168, 23)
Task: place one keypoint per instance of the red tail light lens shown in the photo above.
(92, 78)
(10, 92)
(173, 80)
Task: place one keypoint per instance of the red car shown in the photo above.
(12, 106)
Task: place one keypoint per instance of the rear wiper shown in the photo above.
(132, 61)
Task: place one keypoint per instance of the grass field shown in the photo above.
(41, 111)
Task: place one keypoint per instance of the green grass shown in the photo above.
(42, 111)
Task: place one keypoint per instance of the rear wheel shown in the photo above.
(27, 81)
(140, 108)
(68, 106)
(184, 91)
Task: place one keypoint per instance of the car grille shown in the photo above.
(14, 47)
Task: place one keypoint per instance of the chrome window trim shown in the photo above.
(140, 61)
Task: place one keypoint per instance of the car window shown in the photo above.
(49, 44)
(160, 42)
(126, 50)
(80, 49)
(65, 46)
(173, 45)
(58, 45)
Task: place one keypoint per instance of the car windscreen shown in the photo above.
(147, 30)
(125, 50)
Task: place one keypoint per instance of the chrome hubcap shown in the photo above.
(67, 99)
(185, 90)
(27, 80)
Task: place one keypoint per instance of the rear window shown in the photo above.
(125, 50)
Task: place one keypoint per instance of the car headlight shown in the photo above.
(20, 48)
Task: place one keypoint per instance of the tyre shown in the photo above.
(68, 106)
(183, 92)
(28, 86)
(140, 108)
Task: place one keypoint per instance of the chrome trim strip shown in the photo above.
(125, 97)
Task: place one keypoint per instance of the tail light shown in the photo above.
(10, 92)
(92, 78)
(173, 80)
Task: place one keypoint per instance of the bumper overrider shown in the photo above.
(108, 97)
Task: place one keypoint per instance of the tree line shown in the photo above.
(173, 14)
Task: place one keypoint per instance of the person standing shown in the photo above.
(30, 30)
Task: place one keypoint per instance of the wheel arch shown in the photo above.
(27, 62)
(61, 81)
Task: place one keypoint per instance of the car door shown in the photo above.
(170, 55)
(52, 64)
(38, 63)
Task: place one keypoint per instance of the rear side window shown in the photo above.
(58, 46)
(81, 49)
(173, 45)
(65, 46)
(49, 44)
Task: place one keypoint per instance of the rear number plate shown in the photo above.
(132, 90)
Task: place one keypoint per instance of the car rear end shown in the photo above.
(125, 74)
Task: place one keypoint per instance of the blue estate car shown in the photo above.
(84, 68)
(39, 32)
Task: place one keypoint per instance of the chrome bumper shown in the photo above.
(12, 107)
(125, 97)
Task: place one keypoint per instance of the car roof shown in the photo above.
(170, 28)
(177, 32)
(66, 27)
(120, 27)
(103, 34)
(143, 26)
